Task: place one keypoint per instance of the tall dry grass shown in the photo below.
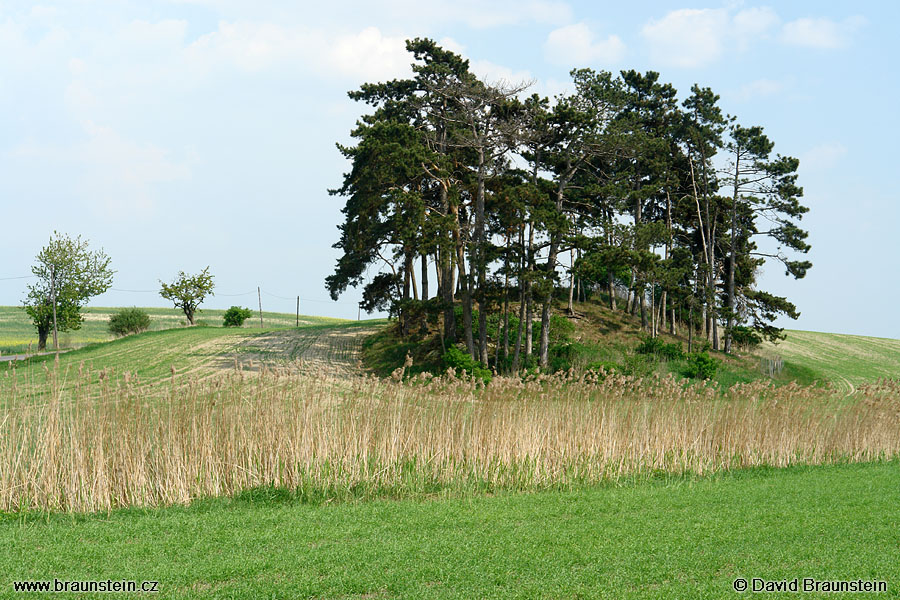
(110, 441)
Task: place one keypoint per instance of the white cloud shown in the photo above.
(753, 23)
(477, 14)
(452, 45)
(577, 45)
(824, 156)
(688, 37)
(79, 98)
(370, 55)
(254, 47)
(123, 172)
(498, 74)
(821, 32)
(761, 88)
(414, 15)
(169, 31)
(117, 175)
(247, 46)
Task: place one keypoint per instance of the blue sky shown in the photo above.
(183, 134)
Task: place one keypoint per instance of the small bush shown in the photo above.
(639, 365)
(606, 367)
(658, 348)
(128, 321)
(745, 337)
(235, 316)
(701, 366)
(460, 361)
(561, 329)
(561, 357)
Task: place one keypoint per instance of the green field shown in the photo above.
(663, 536)
(677, 538)
(846, 360)
(200, 351)
(18, 335)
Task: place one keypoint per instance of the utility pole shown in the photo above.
(259, 296)
(53, 296)
(298, 311)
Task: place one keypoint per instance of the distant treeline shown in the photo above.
(662, 199)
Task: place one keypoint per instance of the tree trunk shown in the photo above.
(482, 333)
(445, 281)
(517, 352)
(43, 332)
(467, 302)
(731, 263)
(518, 348)
(555, 239)
(571, 307)
(424, 276)
(411, 267)
(643, 310)
(545, 332)
(661, 313)
(529, 295)
(506, 305)
(580, 293)
(703, 322)
(612, 289)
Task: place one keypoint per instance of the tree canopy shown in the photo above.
(68, 273)
(187, 292)
(667, 207)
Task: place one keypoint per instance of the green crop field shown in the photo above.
(846, 360)
(677, 538)
(18, 335)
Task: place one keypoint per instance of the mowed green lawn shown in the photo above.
(662, 539)
(17, 334)
(846, 360)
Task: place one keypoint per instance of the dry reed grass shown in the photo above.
(110, 442)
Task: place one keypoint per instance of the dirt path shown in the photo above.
(331, 351)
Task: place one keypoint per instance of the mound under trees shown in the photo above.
(658, 201)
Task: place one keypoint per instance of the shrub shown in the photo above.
(701, 366)
(606, 367)
(561, 357)
(235, 316)
(745, 337)
(128, 321)
(460, 361)
(658, 348)
(638, 365)
(561, 329)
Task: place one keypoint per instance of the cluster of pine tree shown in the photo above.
(656, 203)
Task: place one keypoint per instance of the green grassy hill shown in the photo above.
(600, 335)
(200, 351)
(846, 360)
(17, 334)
